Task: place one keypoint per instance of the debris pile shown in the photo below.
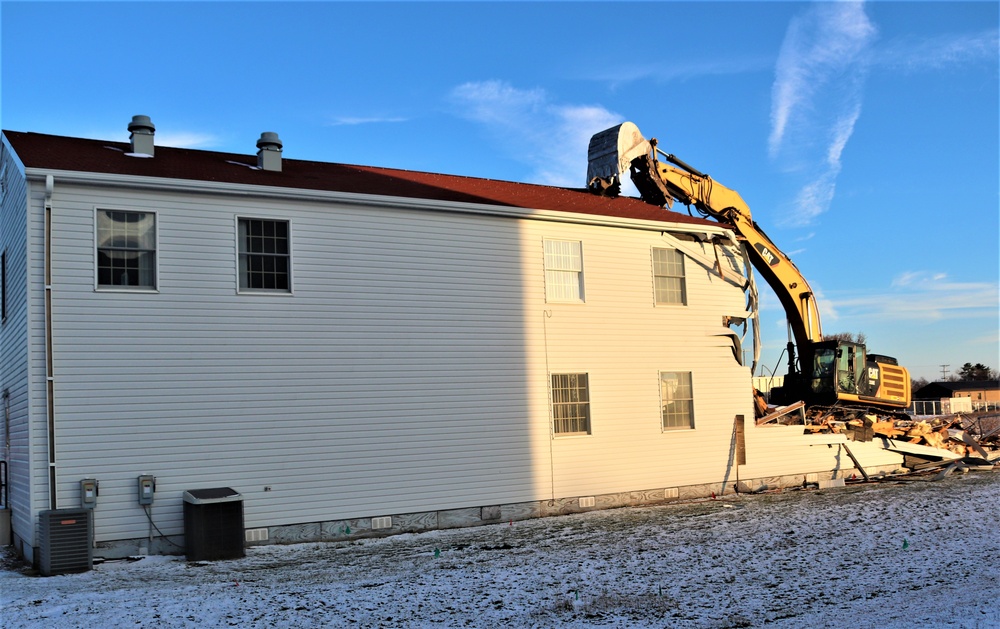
(972, 437)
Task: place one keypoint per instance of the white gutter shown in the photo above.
(350, 198)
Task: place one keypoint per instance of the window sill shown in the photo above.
(263, 291)
(124, 289)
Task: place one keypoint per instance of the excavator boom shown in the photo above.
(623, 149)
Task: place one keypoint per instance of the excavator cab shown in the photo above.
(839, 367)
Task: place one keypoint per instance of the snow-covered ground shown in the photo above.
(915, 554)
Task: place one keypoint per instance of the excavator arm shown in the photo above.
(663, 183)
(825, 372)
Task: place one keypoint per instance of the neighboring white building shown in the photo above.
(341, 343)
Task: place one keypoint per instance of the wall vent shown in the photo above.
(255, 535)
(384, 522)
(65, 542)
(587, 501)
(812, 478)
(671, 493)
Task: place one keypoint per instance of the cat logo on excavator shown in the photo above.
(765, 253)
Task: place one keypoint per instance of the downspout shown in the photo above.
(49, 380)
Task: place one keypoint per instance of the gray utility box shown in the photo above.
(65, 543)
(213, 524)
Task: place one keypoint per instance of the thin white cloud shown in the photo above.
(829, 310)
(920, 278)
(674, 69)
(550, 137)
(988, 339)
(907, 278)
(186, 139)
(176, 139)
(840, 134)
(358, 120)
(937, 53)
(819, 46)
(816, 98)
(926, 296)
(918, 296)
(813, 199)
(497, 102)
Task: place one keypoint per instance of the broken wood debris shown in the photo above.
(974, 438)
(944, 433)
(785, 415)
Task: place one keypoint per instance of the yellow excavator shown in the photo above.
(824, 372)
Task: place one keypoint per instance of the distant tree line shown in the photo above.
(979, 371)
(860, 337)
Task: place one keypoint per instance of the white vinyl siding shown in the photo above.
(382, 387)
(676, 400)
(22, 354)
(369, 390)
(563, 271)
(668, 276)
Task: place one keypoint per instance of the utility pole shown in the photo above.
(944, 372)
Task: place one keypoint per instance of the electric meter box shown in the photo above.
(89, 490)
(147, 486)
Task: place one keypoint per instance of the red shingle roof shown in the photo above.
(38, 150)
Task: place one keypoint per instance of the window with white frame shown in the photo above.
(126, 249)
(563, 271)
(570, 404)
(677, 400)
(668, 277)
(264, 255)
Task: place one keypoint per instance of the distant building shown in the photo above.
(978, 390)
(764, 384)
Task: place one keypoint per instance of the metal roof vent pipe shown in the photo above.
(269, 155)
(142, 131)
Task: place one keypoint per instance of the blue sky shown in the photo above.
(864, 136)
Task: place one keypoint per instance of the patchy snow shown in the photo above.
(914, 554)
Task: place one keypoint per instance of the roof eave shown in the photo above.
(352, 198)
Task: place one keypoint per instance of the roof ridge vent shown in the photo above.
(269, 153)
(142, 130)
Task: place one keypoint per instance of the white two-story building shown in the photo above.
(359, 350)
